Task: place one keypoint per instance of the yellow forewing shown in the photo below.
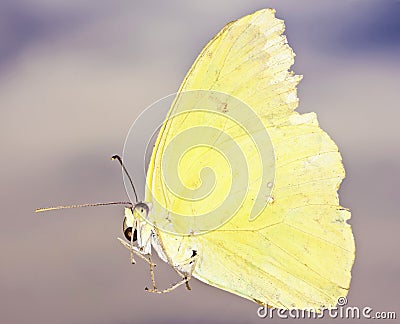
(300, 250)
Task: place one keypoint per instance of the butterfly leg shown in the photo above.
(152, 265)
(173, 287)
(184, 269)
(185, 280)
(186, 276)
(134, 250)
(187, 267)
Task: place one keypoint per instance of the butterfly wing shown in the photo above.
(298, 252)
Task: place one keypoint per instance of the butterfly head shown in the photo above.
(133, 216)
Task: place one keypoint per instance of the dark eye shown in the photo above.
(128, 234)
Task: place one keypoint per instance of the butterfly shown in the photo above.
(241, 190)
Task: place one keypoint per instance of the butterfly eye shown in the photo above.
(142, 209)
(128, 234)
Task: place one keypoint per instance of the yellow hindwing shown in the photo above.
(299, 251)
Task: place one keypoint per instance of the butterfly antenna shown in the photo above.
(117, 157)
(126, 203)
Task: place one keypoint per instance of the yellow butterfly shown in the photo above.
(298, 252)
(241, 191)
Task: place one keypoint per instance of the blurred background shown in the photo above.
(74, 75)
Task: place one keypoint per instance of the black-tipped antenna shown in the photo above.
(126, 203)
(117, 157)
